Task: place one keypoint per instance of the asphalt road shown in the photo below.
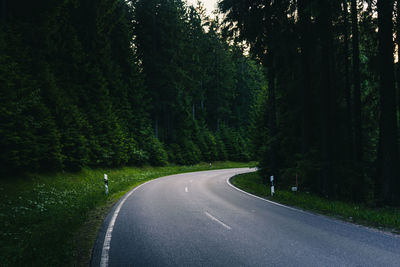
(198, 219)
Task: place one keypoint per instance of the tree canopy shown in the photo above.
(113, 83)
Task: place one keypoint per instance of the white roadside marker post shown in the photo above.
(294, 188)
(106, 183)
(272, 186)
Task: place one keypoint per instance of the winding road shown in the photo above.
(199, 219)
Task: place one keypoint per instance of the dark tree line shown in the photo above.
(113, 82)
(330, 112)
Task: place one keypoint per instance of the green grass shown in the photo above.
(384, 218)
(53, 219)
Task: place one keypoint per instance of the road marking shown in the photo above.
(186, 189)
(263, 199)
(107, 239)
(218, 221)
(309, 212)
(191, 180)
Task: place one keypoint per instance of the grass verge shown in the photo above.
(53, 219)
(387, 218)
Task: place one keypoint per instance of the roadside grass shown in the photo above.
(387, 218)
(53, 219)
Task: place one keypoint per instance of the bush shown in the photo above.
(191, 153)
(174, 153)
(221, 150)
(185, 153)
(157, 155)
(207, 145)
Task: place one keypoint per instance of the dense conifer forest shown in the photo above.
(113, 83)
(331, 111)
(308, 88)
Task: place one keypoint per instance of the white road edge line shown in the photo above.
(186, 189)
(263, 199)
(107, 239)
(310, 213)
(218, 221)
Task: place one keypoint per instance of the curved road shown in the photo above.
(198, 219)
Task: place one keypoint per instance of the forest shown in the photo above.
(308, 88)
(113, 83)
(331, 111)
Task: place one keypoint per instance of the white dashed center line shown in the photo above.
(186, 189)
(216, 220)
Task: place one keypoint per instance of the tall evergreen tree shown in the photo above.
(388, 141)
(358, 156)
(347, 86)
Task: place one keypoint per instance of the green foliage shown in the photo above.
(157, 155)
(221, 149)
(207, 144)
(84, 85)
(70, 104)
(29, 137)
(193, 83)
(191, 153)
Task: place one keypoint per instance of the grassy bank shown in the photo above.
(383, 218)
(52, 219)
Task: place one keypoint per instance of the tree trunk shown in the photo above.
(358, 148)
(358, 144)
(327, 99)
(349, 118)
(156, 127)
(3, 12)
(272, 151)
(305, 44)
(193, 111)
(389, 173)
(398, 57)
